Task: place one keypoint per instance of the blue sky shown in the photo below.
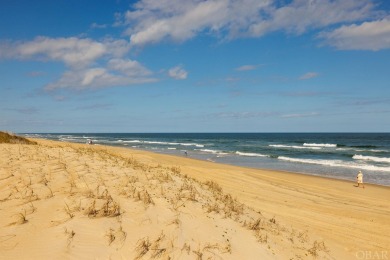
(195, 66)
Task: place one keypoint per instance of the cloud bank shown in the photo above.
(91, 64)
(74, 52)
(151, 22)
(99, 77)
(372, 36)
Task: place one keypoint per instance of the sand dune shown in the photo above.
(74, 201)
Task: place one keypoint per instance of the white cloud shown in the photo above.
(303, 15)
(177, 73)
(300, 115)
(245, 114)
(177, 20)
(232, 79)
(82, 57)
(116, 48)
(309, 75)
(179, 26)
(72, 51)
(98, 26)
(95, 78)
(373, 36)
(246, 67)
(128, 67)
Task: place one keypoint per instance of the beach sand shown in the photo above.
(75, 201)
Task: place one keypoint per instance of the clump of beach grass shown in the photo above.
(175, 170)
(10, 138)
(110, 208)
(142, 247)
(317, 247)
(213, 186)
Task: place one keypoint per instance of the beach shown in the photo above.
(77, 201)
(334, 155)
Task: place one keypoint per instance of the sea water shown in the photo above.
(336, 155)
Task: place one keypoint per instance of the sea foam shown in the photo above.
(165, 143)
(336, 163)
(294, 146)
(319, 145)
(212, 151)
(371, 158)
(251, 154)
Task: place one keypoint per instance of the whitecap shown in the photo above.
(294, 146)
(251, 154)
(133, 141)
(213, 151)
(319, 145)
(336, 163)
(192, 144)
(371, 158)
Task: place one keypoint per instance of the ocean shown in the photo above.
(336, 155)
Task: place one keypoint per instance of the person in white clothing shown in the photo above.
(359, 179)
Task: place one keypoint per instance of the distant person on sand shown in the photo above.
(185, 153)
(359, 179)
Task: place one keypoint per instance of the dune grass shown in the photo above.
(13, 139)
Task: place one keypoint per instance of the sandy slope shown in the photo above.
(70, 201)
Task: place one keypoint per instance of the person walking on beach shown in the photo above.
(359, 179)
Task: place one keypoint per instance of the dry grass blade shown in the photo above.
(70, 235)
(68, 211)
(111, 236)
(22, 218)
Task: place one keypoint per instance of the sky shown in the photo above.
(194, 66)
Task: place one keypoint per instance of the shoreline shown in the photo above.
(339, 156)
(234, 165)
(208, 207)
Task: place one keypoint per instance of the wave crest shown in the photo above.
(251, 154)
(294, 146)
(336, 163)
(371, 158)
(319, 145)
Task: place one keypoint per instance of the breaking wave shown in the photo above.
(336, 163)
(371, 158)
(294, 146)
(212, 151)
(251, 154)
(319, 145)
